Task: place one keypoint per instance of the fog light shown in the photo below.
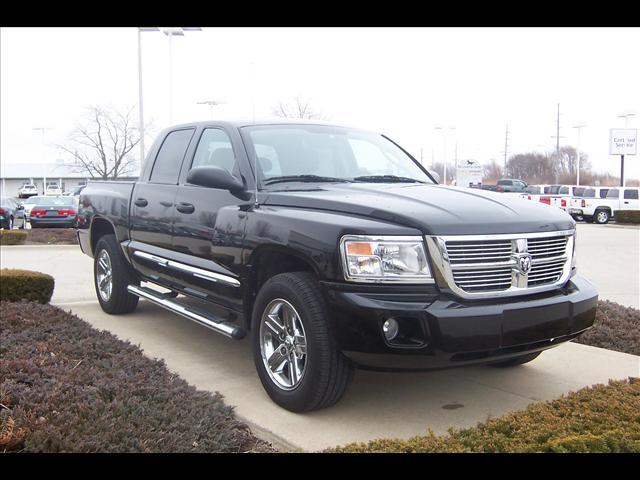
(390, 329)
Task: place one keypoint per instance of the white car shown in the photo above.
(579, 202)
(52, 188)
(27, 190)
(601, 210)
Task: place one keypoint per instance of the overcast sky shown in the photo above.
(399, 81)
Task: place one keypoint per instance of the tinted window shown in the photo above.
(631, 194)
(578, 191)
(169, 159)
(613, 193)
(214, 149)
(504, 182)
(603, 192)
(564, 191)
(533, 189)
(589, 193)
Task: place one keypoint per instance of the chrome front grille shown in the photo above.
(503, 265)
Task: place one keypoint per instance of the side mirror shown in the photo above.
(214, 177)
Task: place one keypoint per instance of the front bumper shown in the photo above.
(445, 331)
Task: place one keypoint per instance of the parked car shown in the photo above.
(75, 191)
(54, 212)
(507, 185)
(52, 188)
(333, 248)
(11, 214)
(533, 192)
(31, 202)
(27, 190)
(577, 203)
(601, 210)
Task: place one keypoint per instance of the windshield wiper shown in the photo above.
(386, 179)
(303, 178)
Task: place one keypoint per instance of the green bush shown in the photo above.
(17, 285)
(12, 237)
(601, 418)
(627, 216)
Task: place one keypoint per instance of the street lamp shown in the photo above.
(579, 126)
(170, 32)
(211, 103)
(44, 178)
(626, 118)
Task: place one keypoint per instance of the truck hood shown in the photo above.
(433, 209)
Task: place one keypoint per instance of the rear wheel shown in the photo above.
(296, 356)
(602, 216)
(112, 273)
(513, 362)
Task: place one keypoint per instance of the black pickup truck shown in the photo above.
(333, 248)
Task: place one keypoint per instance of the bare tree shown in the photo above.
(102, 146)
(298, 108)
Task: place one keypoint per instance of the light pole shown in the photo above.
(626, 118)
(172, 32)
(444, 152)
(211, 103)
(140, 106)
(44, 177)
(578, 126)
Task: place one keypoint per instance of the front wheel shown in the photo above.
(112, 274)
(513, 362)
(295, 353)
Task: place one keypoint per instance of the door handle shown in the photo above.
(166, 204)
(141, 202)
(626, 202)
(185, 207)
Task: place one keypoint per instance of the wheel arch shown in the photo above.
(100, 227)
(265, 262)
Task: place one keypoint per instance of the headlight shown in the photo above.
(385, 259)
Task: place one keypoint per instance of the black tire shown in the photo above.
(327, 372)
(10, 224)
(119, 300)
(588, 218)
(513, 362)
(602, 216)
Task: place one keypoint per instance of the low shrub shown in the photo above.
(67, 387)
(13, 237)
(616, 328)
(627, 216)
(17, 285)
(601, 418)
(52, 236)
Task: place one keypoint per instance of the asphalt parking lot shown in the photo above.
(376, 404)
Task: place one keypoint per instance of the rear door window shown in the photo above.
(170, 156)
(631, 194)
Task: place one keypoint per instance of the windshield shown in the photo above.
(326, 153)
(36, 200)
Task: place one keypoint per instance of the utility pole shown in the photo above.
(506, 148)
(579, 127)
(557, 137)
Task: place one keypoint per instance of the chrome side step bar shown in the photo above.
(213, 323)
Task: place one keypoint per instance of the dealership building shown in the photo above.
(14, 175)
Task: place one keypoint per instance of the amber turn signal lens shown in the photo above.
(358, 248)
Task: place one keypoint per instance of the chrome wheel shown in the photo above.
(104, 275)
(283, 344)
(602, 217)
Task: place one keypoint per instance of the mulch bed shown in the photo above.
(52, 236)
(67, 387)
(616, 328)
